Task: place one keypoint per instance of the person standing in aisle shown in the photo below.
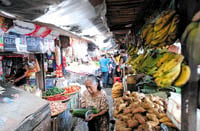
(95, 97)
(104, 66)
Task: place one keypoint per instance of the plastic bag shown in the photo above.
(174, 109)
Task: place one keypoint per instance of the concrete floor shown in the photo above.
(110, 101)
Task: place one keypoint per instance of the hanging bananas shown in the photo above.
(163, 31)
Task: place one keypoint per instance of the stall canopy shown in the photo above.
(85, 18)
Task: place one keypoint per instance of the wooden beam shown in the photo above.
(124, 3)
(120, 29)
(122, 20)
(125, 10)
(121, 0)
(40, 76)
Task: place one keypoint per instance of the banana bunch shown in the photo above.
(184, 76)
(149, 64)
(191, 39)
(132, 52)
(163, 31)
(138, 61)
(168, 72)
(117, 90)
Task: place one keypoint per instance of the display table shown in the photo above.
(64, 120)
(23, 111)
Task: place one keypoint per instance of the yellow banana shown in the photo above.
(184, 76)
(145, 30)
(178, 59)
(174, 23)
(168, 78)
(149, 38)
(162, 33)
(164, 20)
(157, 42)
(166, 57)
(167, 66)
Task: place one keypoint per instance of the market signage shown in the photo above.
(9, 43)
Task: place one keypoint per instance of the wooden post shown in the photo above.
(189, 102)
(189, 96)
(40, 76)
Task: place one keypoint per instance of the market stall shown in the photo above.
(163, 60)
(33, 61)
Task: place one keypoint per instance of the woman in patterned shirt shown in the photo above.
(97, 98)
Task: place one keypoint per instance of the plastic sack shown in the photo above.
(174, 110)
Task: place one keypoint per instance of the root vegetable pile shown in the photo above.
(139, 112)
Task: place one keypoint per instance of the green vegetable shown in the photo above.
(81, 112)
(53, 91)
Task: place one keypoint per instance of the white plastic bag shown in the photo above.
(174, 110)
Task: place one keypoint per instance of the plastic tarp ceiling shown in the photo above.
(78, 16)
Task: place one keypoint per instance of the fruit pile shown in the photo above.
(162, 31)
(166, 67)
(139, 112)
(72, 89)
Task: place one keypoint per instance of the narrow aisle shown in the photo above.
(110, 100)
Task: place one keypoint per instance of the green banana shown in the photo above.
(188, 29)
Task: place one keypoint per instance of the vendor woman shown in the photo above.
(97, 98)
(20, 77)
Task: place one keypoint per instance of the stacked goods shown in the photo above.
(191, 39)
(117, 90)
(166, 67)
(138, 112)
(162, 31)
